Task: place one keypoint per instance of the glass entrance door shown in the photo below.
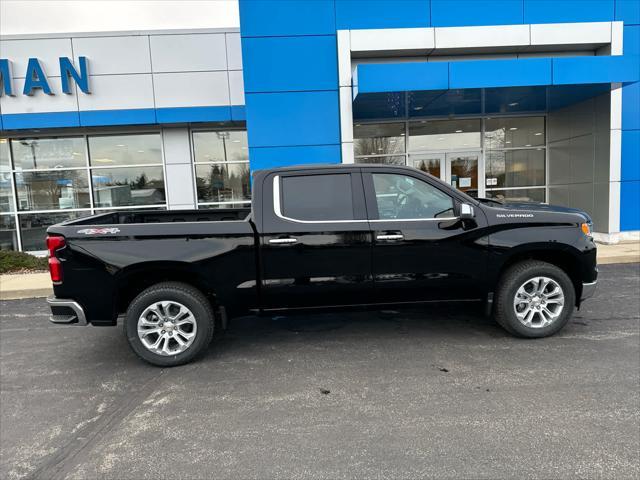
(462, 171)
(433, 163)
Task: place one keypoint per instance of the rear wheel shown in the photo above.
(169, 324)
(534, 299)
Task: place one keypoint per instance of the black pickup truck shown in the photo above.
(319, 236)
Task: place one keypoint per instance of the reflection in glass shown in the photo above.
(378, 139)
(43, 153)
(8, 237)
(223, 182)
(464, 172)
(119, 187)
(226, 145)
(236, 146)
(141, 149)
(5, 164)
(401, 196)
(503, 132)
(518, 195)
(444, 135)
(6, 196)
(33, 227)
(52, 190)
(515, 168)
(224, 205)
(391, 160)
(427, 163)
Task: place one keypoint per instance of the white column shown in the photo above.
(346, 100)
(180, 185)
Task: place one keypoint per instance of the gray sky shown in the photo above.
(56, 16)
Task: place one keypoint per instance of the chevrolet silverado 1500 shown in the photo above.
(319, 236)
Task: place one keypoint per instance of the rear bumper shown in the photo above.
(66, 311)
(588, 290)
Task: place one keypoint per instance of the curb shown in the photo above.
(21, 294)
(619, 259)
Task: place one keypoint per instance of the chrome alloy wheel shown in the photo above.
(538, 302)
(167, 328)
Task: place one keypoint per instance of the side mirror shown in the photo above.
(466, 212)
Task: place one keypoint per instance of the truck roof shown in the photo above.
(334, 166)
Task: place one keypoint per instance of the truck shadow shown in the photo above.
(428, 323)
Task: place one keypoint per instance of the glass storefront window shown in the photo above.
(5, 164)
(6, 195)
(33, 227)
(389, 160)
(208, 146)
(52, 190)
(220, 146)
(223, 182)
(236, 146)
(222, 168)
(48, 153)
(515, 168)
(8, 236)
(505, 132)
(117, 150)
(444, 135)
(378, 139)
(518, 195)
(119, 187)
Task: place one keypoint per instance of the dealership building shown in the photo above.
(519, 100)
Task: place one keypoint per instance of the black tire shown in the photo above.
(509, 284)
(184, 294)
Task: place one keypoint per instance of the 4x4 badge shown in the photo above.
(98, 231)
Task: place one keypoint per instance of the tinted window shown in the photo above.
(317, 197)
(401, 196)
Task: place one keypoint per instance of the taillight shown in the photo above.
(55, 243)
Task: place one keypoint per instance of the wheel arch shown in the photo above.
(561, 256)
(133, 280)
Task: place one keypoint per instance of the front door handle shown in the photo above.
(283, 241)
(390, 236)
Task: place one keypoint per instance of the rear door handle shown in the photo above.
(282, 241)
(390, 236)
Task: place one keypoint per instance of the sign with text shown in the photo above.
(36, 79)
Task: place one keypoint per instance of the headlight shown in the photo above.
(586, 229)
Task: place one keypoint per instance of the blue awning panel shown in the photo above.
(426, 76)
(580, 70)
(394, 77)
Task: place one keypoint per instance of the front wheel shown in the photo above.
(169, 324)
(534, 299)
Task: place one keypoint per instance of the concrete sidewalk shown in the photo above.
(25, 285)
(32, 285)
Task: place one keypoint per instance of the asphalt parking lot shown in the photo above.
(431, 392)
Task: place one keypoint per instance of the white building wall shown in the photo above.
(131, 70)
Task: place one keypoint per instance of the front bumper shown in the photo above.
(588, 290)
(66, 311)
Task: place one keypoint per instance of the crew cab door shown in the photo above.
(422, 250)
(315, 239)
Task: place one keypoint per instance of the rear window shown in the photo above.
(317, 197)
